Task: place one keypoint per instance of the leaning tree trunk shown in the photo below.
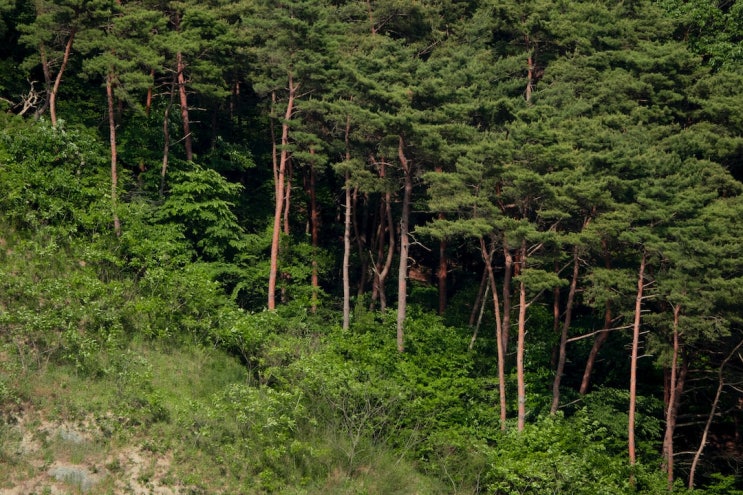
(402, 273)
(712, 413)
(58, 79)
(564, 334)
(675, 388)
(601, 337)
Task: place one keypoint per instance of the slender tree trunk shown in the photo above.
(315, 235)
(597, 343)
(479, 299)
(148, 99)
(555, 320)
(712, 413)
(602, 336)
(675, 387)
(58, 79)
(347, 234)
(166, 136)
(564, 334)
(279, 175)
(507, 274)
(488, 259)
(114, 167)
(385, 225)
(180, 68)
(442, 273)
(402, 272)
(360, 236)
(473, 339)
(521, 344)
(633, 365)
(443, 265)
(287, 196)
(347, 256)
(529, 77)
(46, 70)
(378, 244)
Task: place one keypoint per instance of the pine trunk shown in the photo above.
(564, 334)
(633, 365)
(507, 274)
(314, 236)
(521, 384)
(675, 388)
(180, 67)
(58, 79)
(479, 299)
(602, 336)
(595, 348)
(488, 258)
(114, 166)
(279, 175)
(402, 273)
(166, 137)
(442, 273)
(347, 258)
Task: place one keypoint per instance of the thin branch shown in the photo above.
(585, 336)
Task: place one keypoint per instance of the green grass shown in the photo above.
(168, 407)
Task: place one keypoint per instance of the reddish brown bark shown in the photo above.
(279, 175)
(315, 234)
(442, 272)
(488, 259)
(555, 319)
(148, 99)
(58, 78)
(114, 166)
(187, 142)
(520, 346)
(287, 196)
(507, 275)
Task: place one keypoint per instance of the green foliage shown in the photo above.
(555, 455)
(53, 178)
(201, 200)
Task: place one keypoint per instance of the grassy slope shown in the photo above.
(137, 431)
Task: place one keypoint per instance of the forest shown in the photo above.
(423, 246)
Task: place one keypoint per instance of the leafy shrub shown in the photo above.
(54, 178)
